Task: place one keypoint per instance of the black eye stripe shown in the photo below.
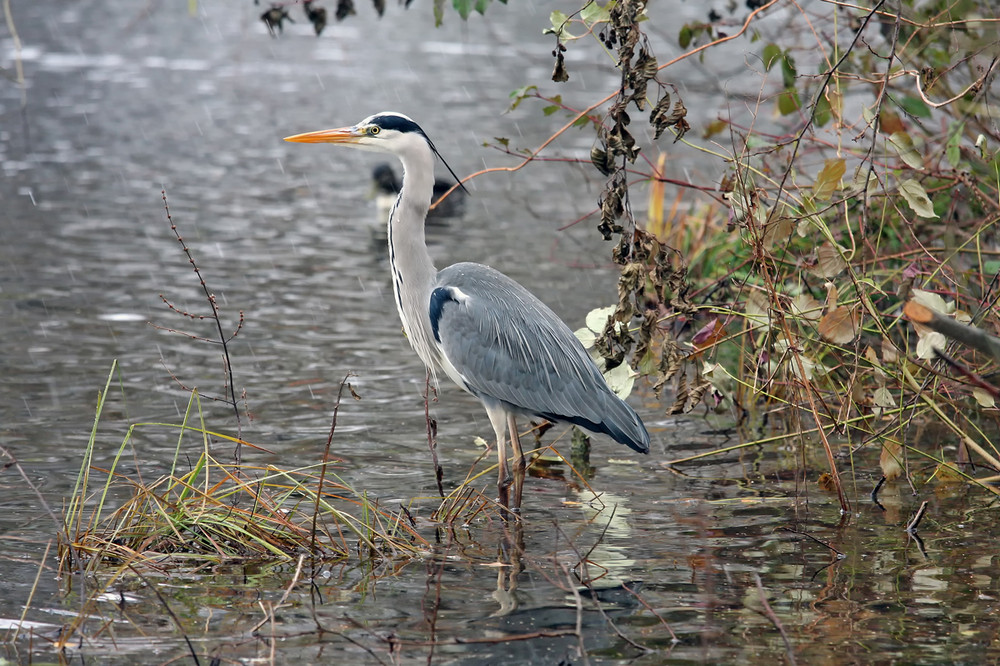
(398, 123)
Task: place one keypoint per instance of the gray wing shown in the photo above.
(508, 346)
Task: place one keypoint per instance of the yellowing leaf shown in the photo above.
(597, 319)
(903, 145)
(984, 398)
(889, 353)
(829, 178)
(831, 295)
(807, 307)
(889, 122)
(883, 398)
(620, 379)
(757, 309)
(933, 301)
(830, 260)
(778, 231)
(808, 369)
(928, 343)
(865, 177)
(890, 461)
(839, 326)
(945, 473)
(586, 337)
(713, 128)
(916, 196)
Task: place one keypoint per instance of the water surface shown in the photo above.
(125, 101)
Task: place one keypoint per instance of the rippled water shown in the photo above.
(125, 100)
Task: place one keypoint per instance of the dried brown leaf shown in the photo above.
(890, 459)
(830, 260)
(839, 326)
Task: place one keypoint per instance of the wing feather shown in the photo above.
(506, 345)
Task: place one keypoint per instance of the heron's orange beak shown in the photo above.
(341, 135)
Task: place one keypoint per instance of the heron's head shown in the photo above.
(385, 132)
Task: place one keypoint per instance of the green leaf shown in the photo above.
(770, 55)
(903, 145)
(788, 101)
(520, 94)
(463, 7)
(953, 150)
(593, 13)
(684, 38)
(829, 178)
(915, 107)
(822, 113)
(438, 13)
(788, 71)
(559, 22)
(916, 196)
(550, 109)
(868, 113)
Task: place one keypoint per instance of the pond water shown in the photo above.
(124, 100)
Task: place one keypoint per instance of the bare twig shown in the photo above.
(215, 315)
(911, 526)
(809, 536)
(326, 457)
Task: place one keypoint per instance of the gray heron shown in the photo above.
(485, 331)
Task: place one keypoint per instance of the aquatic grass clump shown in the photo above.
(217, 512)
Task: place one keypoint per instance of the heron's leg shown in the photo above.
(519, 462)
(498, 418)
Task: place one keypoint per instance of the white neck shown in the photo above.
(413, 271)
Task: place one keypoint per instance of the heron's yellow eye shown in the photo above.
(374, 129)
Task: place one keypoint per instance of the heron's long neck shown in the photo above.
(413, 271)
